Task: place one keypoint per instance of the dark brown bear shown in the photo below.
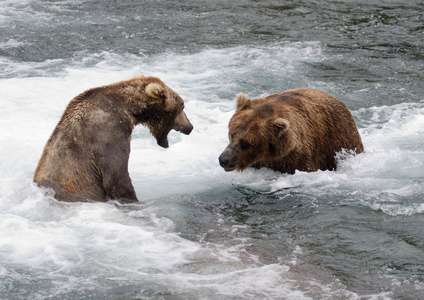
(86, 157)
(300, 129)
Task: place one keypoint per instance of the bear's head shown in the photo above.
(256, 135)
(162, 111)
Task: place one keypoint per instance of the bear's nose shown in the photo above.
(223, 161)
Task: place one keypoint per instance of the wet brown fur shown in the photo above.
(299, 129)
(86, 156)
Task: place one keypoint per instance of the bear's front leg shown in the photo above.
(119, 187)
(115, 177)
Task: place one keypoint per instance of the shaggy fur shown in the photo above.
(86, 157)
(300, 129)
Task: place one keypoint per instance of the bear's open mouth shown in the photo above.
(163, 140)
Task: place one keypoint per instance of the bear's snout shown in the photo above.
(187, 129)
(225, 162)
(182, 124)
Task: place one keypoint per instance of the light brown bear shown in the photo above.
(86, 157)
(300, 129)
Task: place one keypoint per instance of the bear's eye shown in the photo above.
(230, 136)
(244, 145)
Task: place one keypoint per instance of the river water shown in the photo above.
(198, 232)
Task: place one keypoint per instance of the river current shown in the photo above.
(199, 232)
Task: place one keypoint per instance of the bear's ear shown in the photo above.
(280, 124)
(155, 90)
(242, 102)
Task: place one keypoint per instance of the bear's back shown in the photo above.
(308, 100)
(323, 124)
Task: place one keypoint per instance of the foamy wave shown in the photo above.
(44, 233)
(399, 209)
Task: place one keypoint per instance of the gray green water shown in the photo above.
(198, 232)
